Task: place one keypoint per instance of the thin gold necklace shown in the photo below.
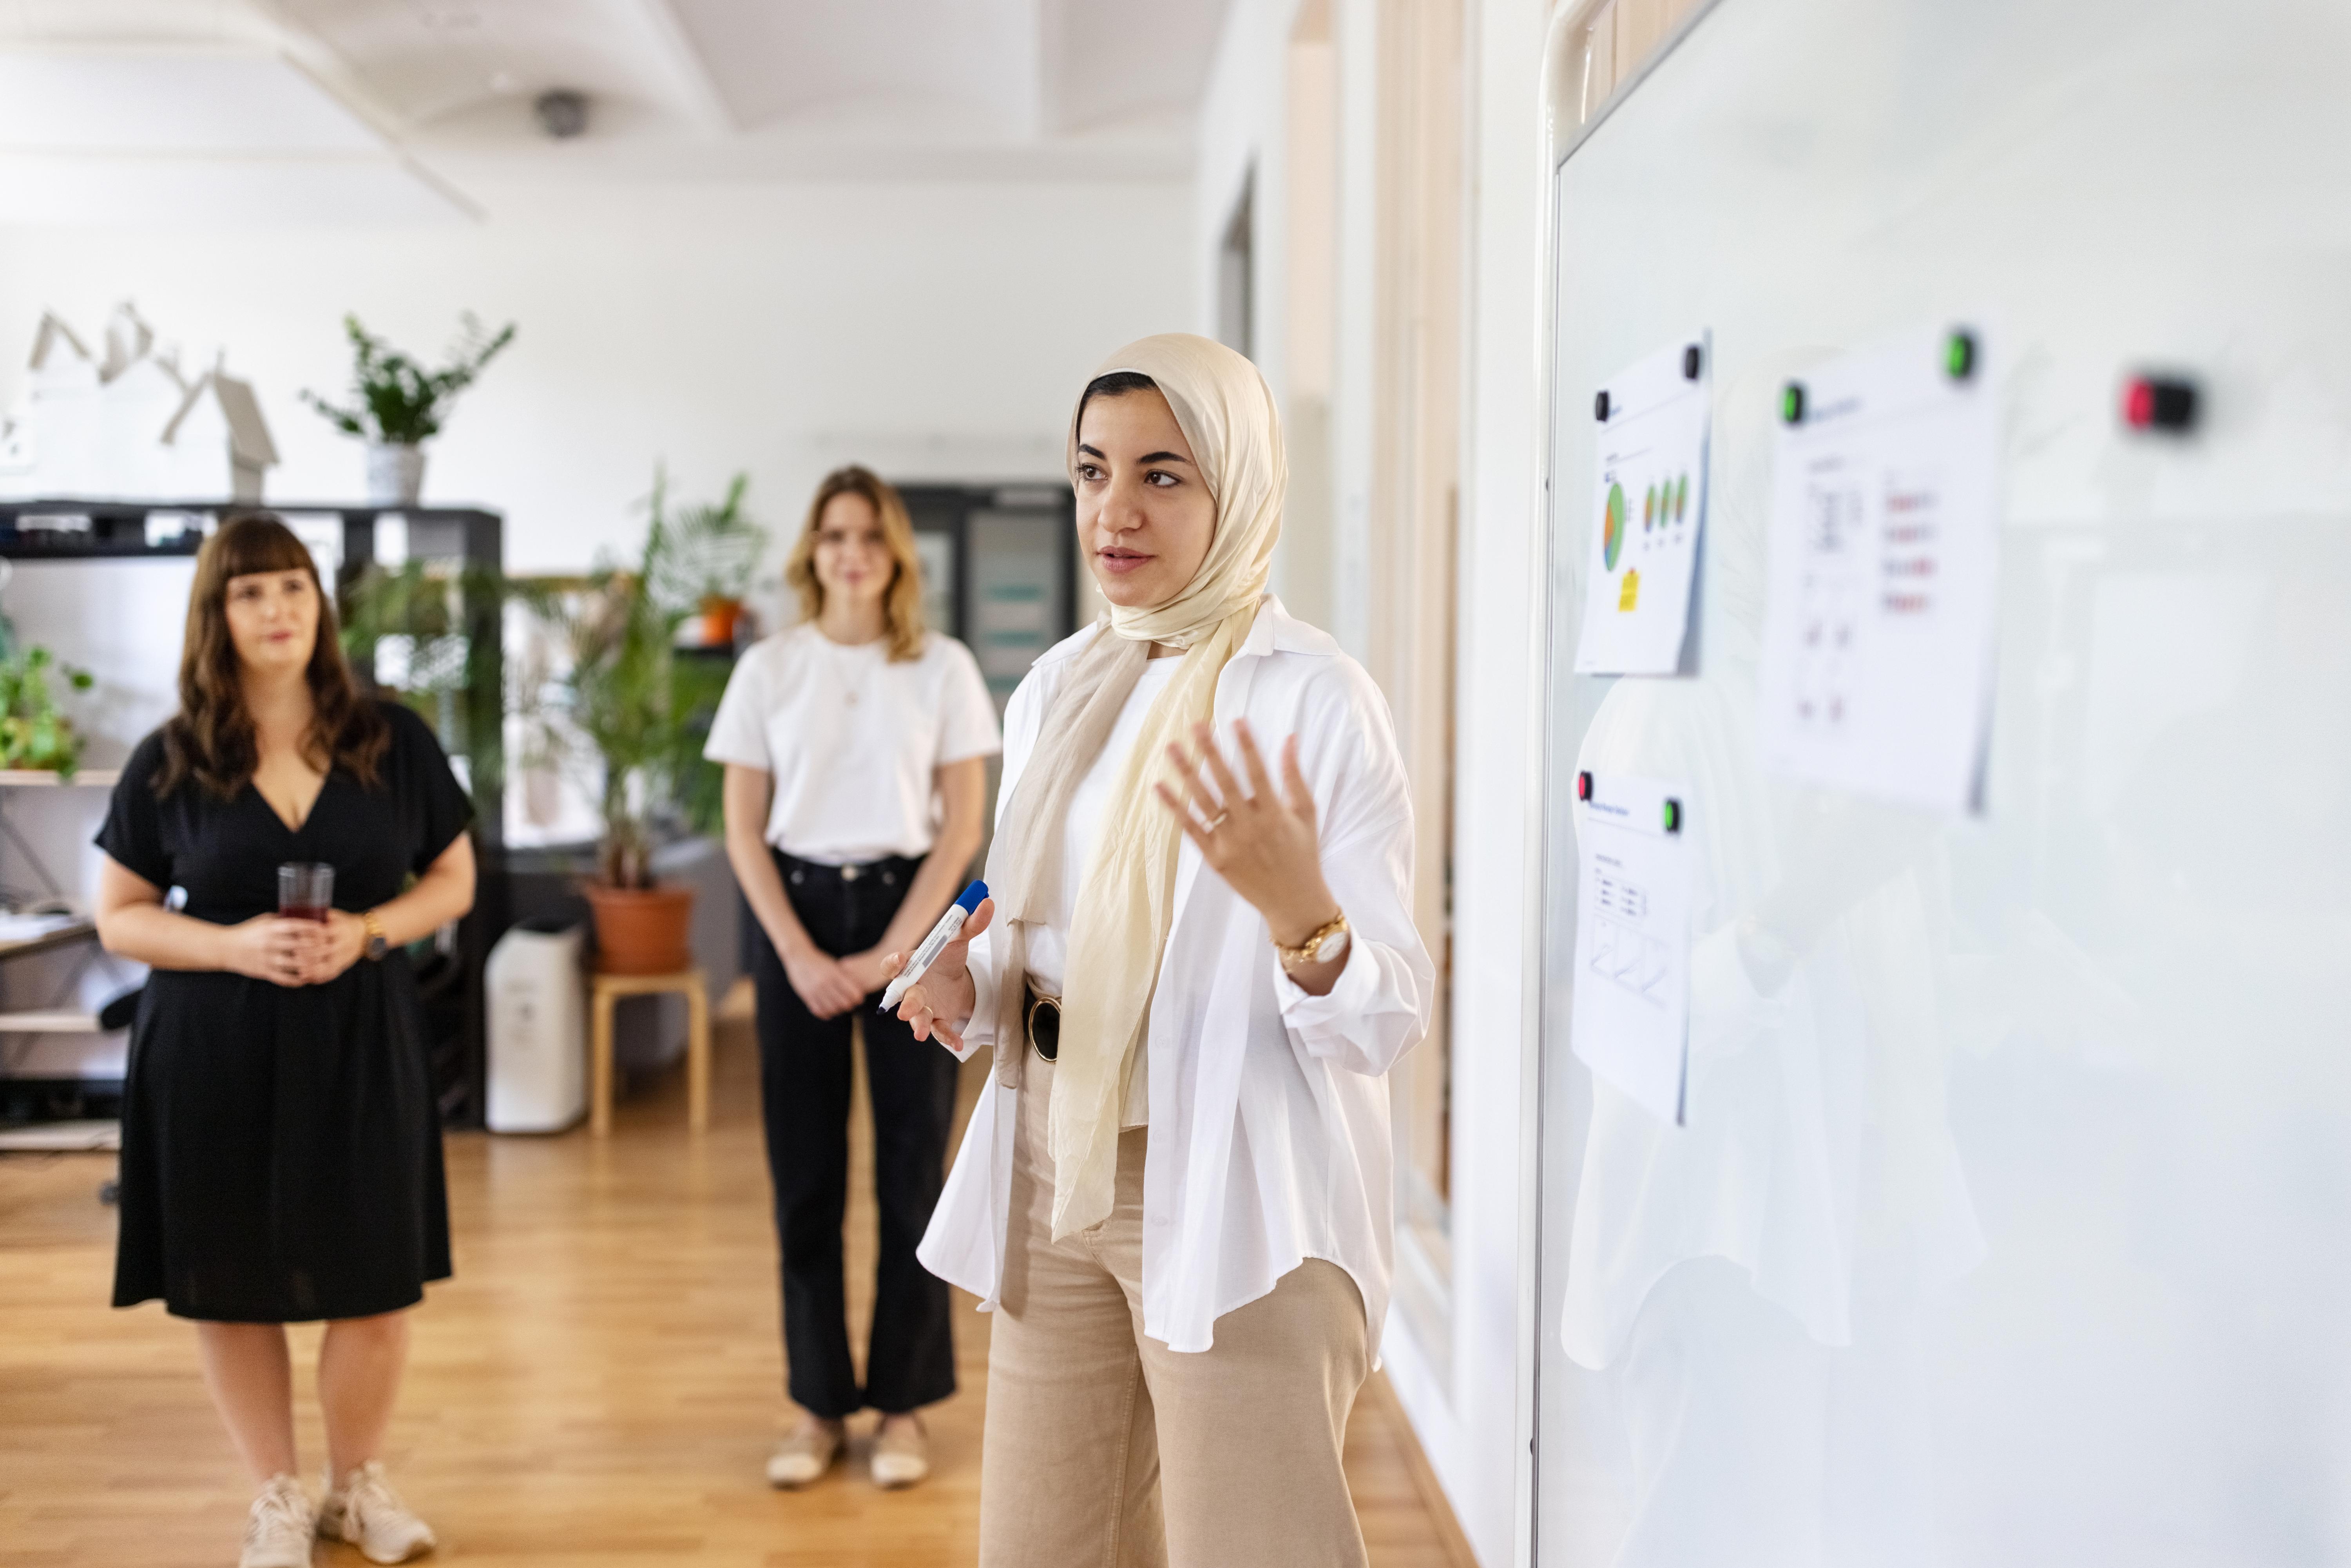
(845, 663)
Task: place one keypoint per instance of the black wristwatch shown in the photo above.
(376, 945)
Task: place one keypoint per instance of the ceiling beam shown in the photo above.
(314, 59)
(697, 89)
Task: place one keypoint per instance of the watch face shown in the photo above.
(1330, 948)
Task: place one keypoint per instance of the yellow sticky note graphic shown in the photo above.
(1627, 595)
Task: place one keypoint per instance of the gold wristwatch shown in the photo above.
(376, 945)
(1326, 942)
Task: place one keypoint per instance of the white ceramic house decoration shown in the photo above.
(130, 426)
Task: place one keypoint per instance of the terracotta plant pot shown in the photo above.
(719, 617)
(641, 931)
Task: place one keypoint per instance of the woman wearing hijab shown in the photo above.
(1197, 969)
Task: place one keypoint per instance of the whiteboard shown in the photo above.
(2012, 1222)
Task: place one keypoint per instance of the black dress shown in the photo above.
(281, 1156)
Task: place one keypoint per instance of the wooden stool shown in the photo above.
(604, 991)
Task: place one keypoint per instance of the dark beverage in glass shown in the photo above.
(306, 890)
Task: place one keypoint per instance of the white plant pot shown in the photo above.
(395, 474)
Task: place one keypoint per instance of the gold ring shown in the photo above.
(1216, 821)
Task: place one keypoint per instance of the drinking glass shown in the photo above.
(306, 890)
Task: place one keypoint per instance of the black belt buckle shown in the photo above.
(1045, 1027)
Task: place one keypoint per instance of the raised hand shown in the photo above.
(1260, 839)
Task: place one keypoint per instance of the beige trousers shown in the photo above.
(1106, 1449)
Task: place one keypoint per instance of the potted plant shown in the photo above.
(34, 735)
(400, 404)
(616, 706)
(708, 564)
(642, 711)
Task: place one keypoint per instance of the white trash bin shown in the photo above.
(537, 1001)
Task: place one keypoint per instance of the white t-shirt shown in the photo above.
(852, 740)
(1049, 944)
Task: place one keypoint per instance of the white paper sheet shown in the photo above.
(1632, 938)
(1648, 507)
(1877, 641)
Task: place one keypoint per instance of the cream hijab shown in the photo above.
(1126, 899)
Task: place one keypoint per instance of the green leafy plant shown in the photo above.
(709, 550)
(616, 700)
(400, 403)
(627, 696)
(33, 734)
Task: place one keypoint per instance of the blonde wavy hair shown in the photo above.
(902, 602)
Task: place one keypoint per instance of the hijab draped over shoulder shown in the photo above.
(1126, 898)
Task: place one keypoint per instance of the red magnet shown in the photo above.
(2159, 402)
(1583, 785)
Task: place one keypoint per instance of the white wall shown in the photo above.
(1473, 1421)
(1242, 129)
(932, 330)
(937, 331)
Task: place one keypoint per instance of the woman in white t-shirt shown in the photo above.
(855, 746)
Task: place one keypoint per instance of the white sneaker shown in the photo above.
(805, 1454)
(366, 1511)
(901, 1455)
(278, 1531)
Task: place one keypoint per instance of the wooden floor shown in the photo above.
(599, 1384)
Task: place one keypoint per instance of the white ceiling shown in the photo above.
(411, 108)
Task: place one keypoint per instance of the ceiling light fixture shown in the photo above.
(562, 113)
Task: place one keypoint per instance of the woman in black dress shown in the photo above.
(281, 1159)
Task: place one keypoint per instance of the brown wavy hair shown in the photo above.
(211, 739)
(901, 602)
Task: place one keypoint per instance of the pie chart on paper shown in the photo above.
(1612, 535)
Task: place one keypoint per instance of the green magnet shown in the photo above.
(1960, 355)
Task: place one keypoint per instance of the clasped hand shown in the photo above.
(289, 952)
(831, 987)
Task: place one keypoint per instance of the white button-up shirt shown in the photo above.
(1269, 1130)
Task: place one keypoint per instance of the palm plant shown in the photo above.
(639, 707)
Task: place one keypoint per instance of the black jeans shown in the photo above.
(804, 1084)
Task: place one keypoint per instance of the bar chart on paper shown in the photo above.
(1648, 508)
